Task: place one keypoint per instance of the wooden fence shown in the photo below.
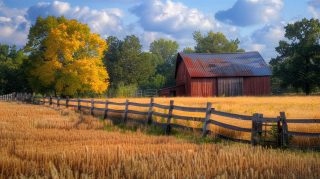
(278, 125)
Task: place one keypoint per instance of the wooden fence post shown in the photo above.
(279, 131)
(125, 116)
(168, 125)
(284, 132)
(106, 110)
(79, 105)
(92, 107)
(206, 120)
(149, 117)
(67, 102)
(58, 102)
(50, 100)
(256, 130)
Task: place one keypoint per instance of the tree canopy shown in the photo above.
(215, 43)
(12, 74)
(66, 58)
(127, 64)
(298, 62)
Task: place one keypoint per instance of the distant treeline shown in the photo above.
(62, 57)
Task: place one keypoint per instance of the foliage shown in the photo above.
(12, 77)
(215, 43)
(298, 62)
(66, 58)
(188, 50)
(167, 50)
(122, 90)
(127, 64)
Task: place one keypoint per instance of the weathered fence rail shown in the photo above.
(258, 121)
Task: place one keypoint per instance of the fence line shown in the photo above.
(258, 121)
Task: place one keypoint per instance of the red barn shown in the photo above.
(225, 74)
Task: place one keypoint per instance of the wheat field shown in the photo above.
(42, 142)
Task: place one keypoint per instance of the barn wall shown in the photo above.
(203, 87)
(256, 86)
(181, 74)
(182, 81)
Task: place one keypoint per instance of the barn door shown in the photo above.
(230, 86)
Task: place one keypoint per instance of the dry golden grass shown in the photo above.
(41, 142)
(295, 107)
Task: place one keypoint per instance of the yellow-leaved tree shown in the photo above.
(70, 60)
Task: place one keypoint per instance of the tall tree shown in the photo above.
(298, 62)
(12, 76)
(215, 43)
(127, 63)
(167, 50)
(66, 58)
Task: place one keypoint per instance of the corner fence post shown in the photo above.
(67, 102)
(284, 133)
(125, 116)
(206, 120)
(256, 130)
(92, 107)
(106, 110)
(168, 125)
(149, 117)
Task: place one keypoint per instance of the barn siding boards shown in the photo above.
(256, 86)
(203, 87)
(230, 86)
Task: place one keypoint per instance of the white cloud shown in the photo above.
(251, 12)
(175, 21)
(104, 22)
(171, 18)
(314, 8)
(14, 27)
(15, 23)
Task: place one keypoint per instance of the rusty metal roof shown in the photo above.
(224, 64)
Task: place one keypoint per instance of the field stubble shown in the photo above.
(37, 141)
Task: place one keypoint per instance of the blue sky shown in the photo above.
(258, 24)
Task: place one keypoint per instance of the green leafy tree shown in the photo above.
(188, 50)
(167, 50)
(127, 63)
(12, 72)
(215, 43)
(298, 62)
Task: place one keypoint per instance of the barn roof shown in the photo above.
(224, 64)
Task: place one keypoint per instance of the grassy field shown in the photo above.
(295, 107)
(37, 141)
